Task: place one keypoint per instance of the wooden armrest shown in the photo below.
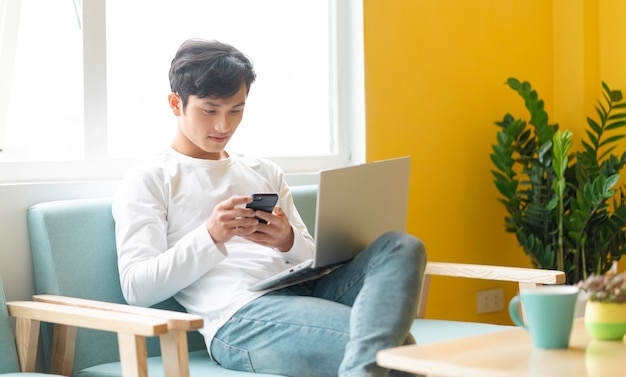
(175, 320)
(131, 330)
(486, 272)
(174, 350)
(88, 318)
(525, 277)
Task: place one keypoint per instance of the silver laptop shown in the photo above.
(355, 205)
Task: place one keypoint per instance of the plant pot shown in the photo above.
(605, 320)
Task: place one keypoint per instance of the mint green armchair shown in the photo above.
(74, 256)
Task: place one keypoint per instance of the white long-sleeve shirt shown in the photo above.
(164, 249)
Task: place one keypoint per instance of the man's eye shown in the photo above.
(208, 111)
(235, 111)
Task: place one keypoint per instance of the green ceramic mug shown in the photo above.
(548, 313)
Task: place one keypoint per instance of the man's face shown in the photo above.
(207, 124)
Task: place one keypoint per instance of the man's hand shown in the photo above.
(230, 218)
(277, 233)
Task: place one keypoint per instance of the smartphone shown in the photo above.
(263, 202)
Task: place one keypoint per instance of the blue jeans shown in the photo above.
(332, 326)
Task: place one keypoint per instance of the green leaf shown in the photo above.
(612, 139)
(593, 139)
(616, 95)
(594, 126)
(552, 203)
(602, 114)
(615, 125)
(513, 83)
(617, 116)
(610, 182)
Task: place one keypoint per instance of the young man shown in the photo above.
(183, 230)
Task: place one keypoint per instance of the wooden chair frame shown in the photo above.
(132, 325)
(525, 277)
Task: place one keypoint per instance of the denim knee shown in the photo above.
(407, 249)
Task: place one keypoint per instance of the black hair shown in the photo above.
(209, 69)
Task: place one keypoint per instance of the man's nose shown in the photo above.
(222, 124)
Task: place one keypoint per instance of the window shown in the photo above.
(43, 79)
(88, 82)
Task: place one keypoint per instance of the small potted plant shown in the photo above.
(605, 312)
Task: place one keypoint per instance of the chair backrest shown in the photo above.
(305, 199)
(8, 353)
(74, 254)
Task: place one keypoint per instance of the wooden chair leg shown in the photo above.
(523, 286)
(133, 355)
(63, 347)
(27, 338)
(175, 354)
(423, 299)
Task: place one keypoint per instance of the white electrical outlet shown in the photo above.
(490, 300)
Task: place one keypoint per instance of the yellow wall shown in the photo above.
(435, 73)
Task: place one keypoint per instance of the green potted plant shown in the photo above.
(605, 311)
(562, 205)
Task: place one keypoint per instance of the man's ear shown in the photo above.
(176, 103)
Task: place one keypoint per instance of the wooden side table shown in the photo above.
(510, 354)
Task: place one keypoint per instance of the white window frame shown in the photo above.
(9, 19)
(348, 99)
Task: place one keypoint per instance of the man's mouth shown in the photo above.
(218, 139)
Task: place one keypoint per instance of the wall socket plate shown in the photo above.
(490, 300)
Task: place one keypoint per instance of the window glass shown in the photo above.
(288, 112)
(42, 58)
(83, 84)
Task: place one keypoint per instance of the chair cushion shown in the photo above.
(200, 365)
(434, 330)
